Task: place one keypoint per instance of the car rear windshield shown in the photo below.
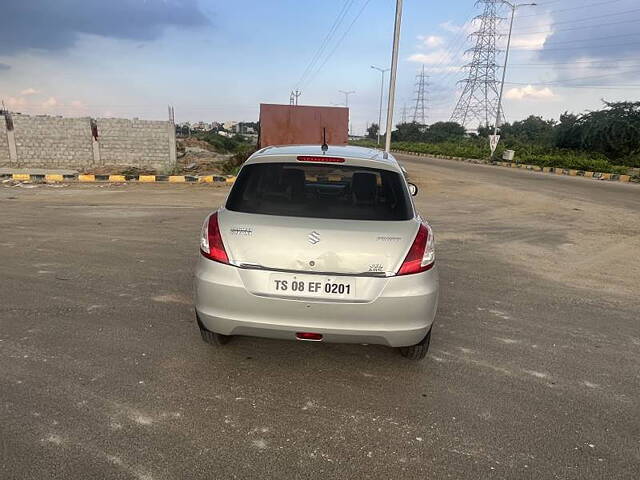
(320, 191)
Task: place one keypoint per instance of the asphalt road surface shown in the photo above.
(534, 369)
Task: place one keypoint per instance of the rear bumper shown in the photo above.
(400, 315)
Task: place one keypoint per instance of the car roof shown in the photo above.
(348, 151)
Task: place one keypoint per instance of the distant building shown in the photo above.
(201, 126)
(231, 126)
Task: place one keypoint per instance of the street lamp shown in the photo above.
(514, 7)
(382, 71)
(394, 71)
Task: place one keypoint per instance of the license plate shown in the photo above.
(312, 286)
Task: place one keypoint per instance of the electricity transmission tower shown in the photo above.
(419, 111)
(479, 99)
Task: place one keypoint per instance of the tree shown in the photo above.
(531, 130)
(485, 130)
(408, 132)
(372, 131)
(566, 134)
(444, 131)
(613, 131)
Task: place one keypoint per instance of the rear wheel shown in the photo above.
(210, 337)
(417, 351)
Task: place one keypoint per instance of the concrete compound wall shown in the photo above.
(134, 142)
(57, 142)
(52, 141)
(4, 142)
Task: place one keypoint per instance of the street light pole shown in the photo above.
(513, 7)
(382, 71)
(394, 71)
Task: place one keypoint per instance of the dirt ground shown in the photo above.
(532, 371)
(577, 240)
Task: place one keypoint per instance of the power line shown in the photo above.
(572, 8)
(346, 32)
(323, 45)
(593, 47)
(572, 64)
(598, 16)
(598, 25)
(601, 87)
(593, 39)
(588, 77)
(458, 40)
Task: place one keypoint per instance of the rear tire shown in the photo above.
(417, 351)
(210, 337)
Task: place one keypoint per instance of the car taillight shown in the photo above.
(314, 158)
(211, 244)
(422, 255)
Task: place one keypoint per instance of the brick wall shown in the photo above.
(134, 142)
(57, 142)
(4, 145)
(53, 142)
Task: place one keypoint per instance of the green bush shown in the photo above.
(233, 164)
(224, 144)
(525, 153)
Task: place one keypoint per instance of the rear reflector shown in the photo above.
(306, 158)
(315, 337)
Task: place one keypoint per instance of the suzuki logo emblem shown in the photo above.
(314, 237)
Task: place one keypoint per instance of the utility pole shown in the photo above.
(493, 142)
(346, 103)
(293, 98)
(346, 96)
(394, 74)
(382, 72)
(404, 112)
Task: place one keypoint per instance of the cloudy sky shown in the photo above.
(215, 60)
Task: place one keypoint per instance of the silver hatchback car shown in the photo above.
(319, 245)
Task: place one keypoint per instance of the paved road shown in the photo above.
(533, 373)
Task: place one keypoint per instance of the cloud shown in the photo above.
(605, 30)
(54, 26)
(431, 41)
(435, 57)
(50, 102)
(529, 93)
(449, 26)
(4, 67)
(78, 105)
(467, 27)
(29, 91)
(529, 42)
(445, 69)
(530, 32)
(14, 102)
